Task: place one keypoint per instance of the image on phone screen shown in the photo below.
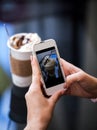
(50, 67)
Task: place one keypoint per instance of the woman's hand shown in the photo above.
(39, 108)
(78, 82)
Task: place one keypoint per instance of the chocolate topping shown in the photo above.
(17, 42)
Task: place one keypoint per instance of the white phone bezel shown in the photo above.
(41, 46)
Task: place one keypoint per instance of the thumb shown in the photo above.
(55, 97)
(36, 76)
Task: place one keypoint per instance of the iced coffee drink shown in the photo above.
(20, 50)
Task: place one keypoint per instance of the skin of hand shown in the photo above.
(39, 108)
(78, 82)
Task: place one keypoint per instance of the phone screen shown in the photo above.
(50, 67)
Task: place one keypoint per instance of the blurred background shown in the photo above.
(74, 27)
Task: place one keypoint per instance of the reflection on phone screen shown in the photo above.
(50, 67)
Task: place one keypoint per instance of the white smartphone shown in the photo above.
(48, 58)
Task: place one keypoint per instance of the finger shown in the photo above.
(68, 67)
(65, 66)
(55, 97)
(71, 79)
(36, 76)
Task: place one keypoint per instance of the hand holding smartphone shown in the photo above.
(48, 59)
